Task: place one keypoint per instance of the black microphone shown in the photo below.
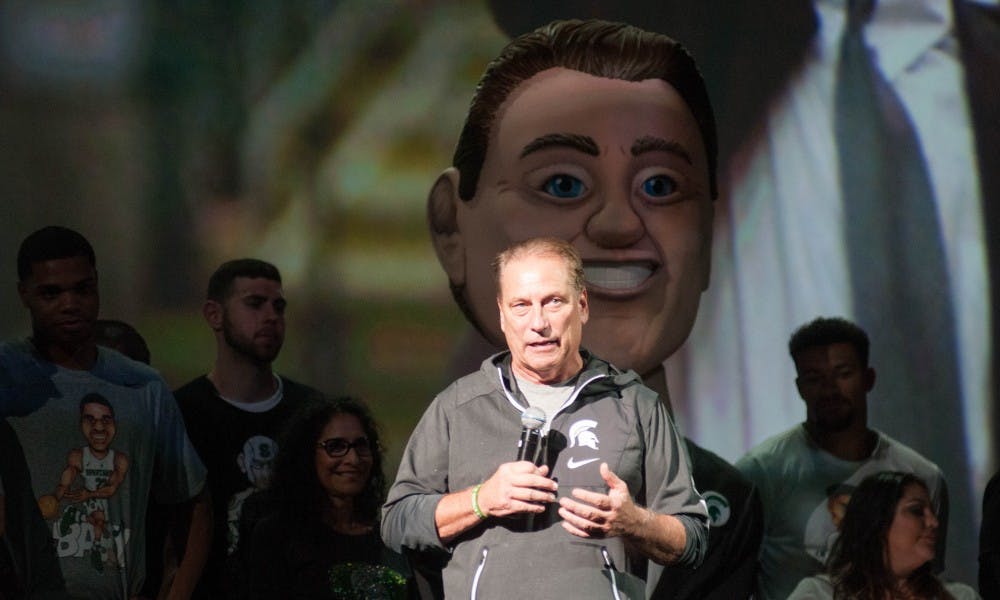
(529, 446)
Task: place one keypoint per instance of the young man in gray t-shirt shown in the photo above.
(100, 432)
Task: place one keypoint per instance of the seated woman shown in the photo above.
(885, 547)
(321, 537)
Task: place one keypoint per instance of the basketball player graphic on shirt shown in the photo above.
(255, 461)
(102, 470)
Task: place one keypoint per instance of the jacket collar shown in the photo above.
(596, 377)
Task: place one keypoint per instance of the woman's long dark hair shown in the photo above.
(859, 562)
(296, 490)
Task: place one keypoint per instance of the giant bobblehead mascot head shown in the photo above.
(600, 134)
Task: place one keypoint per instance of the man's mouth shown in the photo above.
(72, 324)
(617, 275)
(544, 344)
(833, 403)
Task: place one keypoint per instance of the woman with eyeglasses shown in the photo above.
(885, 548)
(321, 539)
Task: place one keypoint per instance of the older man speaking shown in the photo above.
(610, 498)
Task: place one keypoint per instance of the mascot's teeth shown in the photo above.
(621, 276)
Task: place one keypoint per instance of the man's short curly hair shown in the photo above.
(824, 331)
(53, 242)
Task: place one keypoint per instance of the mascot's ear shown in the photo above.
(442, 216)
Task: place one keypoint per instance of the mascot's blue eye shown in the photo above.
(659, 186)
(564, 186)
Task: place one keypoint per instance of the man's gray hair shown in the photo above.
(542, 246)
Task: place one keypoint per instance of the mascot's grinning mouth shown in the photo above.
(618, 275)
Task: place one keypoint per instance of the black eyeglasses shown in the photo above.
(336, 447)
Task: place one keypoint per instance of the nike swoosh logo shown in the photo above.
(573, 464)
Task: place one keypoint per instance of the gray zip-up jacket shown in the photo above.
(473, 426)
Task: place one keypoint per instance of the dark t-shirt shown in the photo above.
(238, 447)
(734, 535)
(288, 560)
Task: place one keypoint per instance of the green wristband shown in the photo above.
(475, 502)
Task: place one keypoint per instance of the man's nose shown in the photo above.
(69, 301)
(828, 385)
(270, 312)
(616, 224)
(539, 321)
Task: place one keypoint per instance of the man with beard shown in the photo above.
(834, 449)
(234, 413)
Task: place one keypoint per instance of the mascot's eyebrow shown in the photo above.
(651, 143)
(583, 143)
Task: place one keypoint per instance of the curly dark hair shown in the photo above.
(52, 243)
(824, 331)
(858, 564)
(295, 489)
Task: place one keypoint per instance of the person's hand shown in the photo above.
(517, 487)
(593, 515)
(77, 495)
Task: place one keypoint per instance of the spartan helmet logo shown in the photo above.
(255, 460)
(581, 434)
(719, 509)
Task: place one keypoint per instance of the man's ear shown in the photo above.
(212, 311)
(442, 217)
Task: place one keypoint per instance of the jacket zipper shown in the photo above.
(478, 573)
(612, 571)
(608, 564)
